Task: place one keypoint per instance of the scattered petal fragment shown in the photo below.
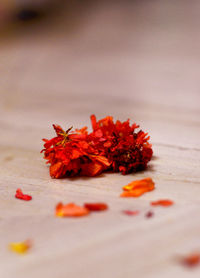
(163, 203)
(19, 195)
(149, 214)
(96, 206)
(20, 247)
(70, 210)
(191, 260)
(138, 188)
(131, 212)
(147, 182)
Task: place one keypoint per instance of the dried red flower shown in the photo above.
(71, 154)
(163, 203)
(131, 212)
(138, 188)
(96, 206)
(127, 150)
(114, 146)
(191, 260)
(19, 195)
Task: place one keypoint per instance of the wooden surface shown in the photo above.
(129, 59)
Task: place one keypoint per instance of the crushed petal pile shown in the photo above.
(116, 147)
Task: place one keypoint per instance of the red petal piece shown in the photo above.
(149, 214)
(163, 203)
(191, 260)
(19, 195)
(131, 212)
(96, 206)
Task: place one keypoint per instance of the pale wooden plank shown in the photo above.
(138, 60)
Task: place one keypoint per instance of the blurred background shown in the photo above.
(61, 61)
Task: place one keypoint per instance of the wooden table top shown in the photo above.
(129, 59)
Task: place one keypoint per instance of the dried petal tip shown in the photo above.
(96, 206)
(19, 195)
(20, 247)
(191, 260)
(138, 188)
(70, 210)
(131, 212)
(163, 203)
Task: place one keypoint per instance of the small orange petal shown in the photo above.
(56, 170)
(138, 188)
(94, 121)
(163, 203)
(70, 210)
(147, 182)
(134, 193)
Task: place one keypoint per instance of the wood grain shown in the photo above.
(129, 59)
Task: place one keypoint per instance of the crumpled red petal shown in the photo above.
(19, 195)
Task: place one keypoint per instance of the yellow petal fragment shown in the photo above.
(20, 247)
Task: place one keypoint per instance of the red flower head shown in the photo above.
(127, 150)
(71, 154)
